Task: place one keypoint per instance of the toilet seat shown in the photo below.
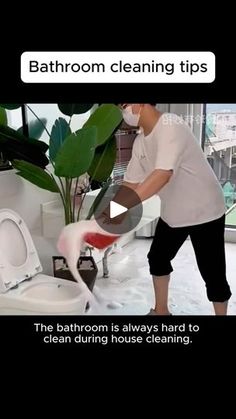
(18, 257)
(23, 288)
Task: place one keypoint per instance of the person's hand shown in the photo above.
(104, 217)
(119, 219)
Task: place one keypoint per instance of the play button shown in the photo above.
(116, 209)
(119, 211)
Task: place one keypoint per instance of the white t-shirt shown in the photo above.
(193, 195)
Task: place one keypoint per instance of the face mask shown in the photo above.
(129, 117)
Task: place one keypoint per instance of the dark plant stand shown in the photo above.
(4, 164)
(86, 266)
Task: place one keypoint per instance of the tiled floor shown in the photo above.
(129, 291)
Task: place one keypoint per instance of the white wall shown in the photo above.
(163, 107)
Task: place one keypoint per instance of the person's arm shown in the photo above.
(153, 183)
(144, 190)
(130, 185)
(149, 187)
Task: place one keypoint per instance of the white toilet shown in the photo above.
(23, 288)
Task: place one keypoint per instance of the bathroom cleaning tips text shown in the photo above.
(117, 67)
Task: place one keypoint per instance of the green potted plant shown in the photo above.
(77, 159)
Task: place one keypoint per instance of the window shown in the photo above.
(219, 146)
(124, 140)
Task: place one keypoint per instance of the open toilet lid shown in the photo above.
(18, 257)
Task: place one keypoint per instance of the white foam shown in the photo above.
(70, 244)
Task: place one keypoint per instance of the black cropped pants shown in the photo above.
(209, 247)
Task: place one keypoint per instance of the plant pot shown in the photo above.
(4, 164)
(86, 266)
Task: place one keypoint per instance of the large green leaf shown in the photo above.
(7, 132)
(3, 116)
(60, 131)
(10, 106)
(76, 154)
(106, 118)
(103, 161)
(74, 108)
(16, 146)
(35, 175)
(36, 128)
(13, 150)
(10, 133)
